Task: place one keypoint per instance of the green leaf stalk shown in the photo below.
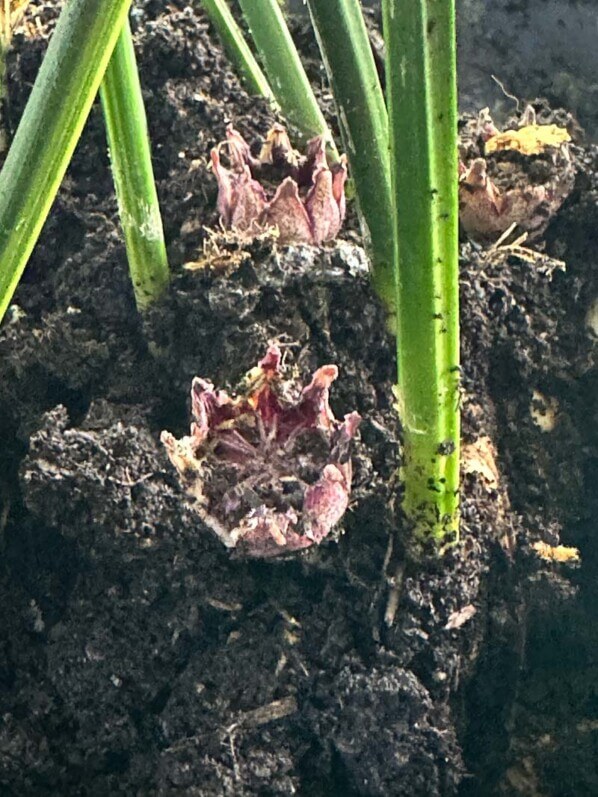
(237, 48)
(345, 47)
(421, 85)
(130, 156)
(284, 69)
(51, 125)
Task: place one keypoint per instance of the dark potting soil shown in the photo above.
(136, 657)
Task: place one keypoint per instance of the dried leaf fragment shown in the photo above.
(556, 553)
(460, 617)
(225, 250)
(480, 457)
(277, 149)
(11, 14)
(544, 411)
(529, 140)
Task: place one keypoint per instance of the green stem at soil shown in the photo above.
(54, 117)
(347, 54)
(284, 69)
(237, 48)
(130, 156)
(421, 85)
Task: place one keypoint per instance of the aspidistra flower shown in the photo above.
(517, 178)
(269, 469)
(308, 206)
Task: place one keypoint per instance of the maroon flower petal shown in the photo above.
(325, 503)
(225, 188)
(241, 199)
(313, 410)
(211, 408)
(288, 214)
(271, 361)
(239, 152)
(325, 202)
(249, 201)
(339, 178)
(322, 207)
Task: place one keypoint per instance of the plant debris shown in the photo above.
(530, 140)
(556, 553)
(460, 617)
(224, 251)
(270, 470)
(11, 16)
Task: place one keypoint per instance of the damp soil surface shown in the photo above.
(136, 656)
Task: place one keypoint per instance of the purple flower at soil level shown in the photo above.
(523, 178)
(269, 469)
(308, 206)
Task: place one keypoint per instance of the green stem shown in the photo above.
(421, 84)
(128, 140)
(284, 68)
(237, 48)
(54, 117)
(347, 54)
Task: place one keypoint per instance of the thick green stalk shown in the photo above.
(237, 48)
(283, 67)
(58, 106)
(130, 156)
(421, 85)
(345, 47)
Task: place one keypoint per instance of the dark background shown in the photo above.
(534, 47)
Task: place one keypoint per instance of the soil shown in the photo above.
(137, 657)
